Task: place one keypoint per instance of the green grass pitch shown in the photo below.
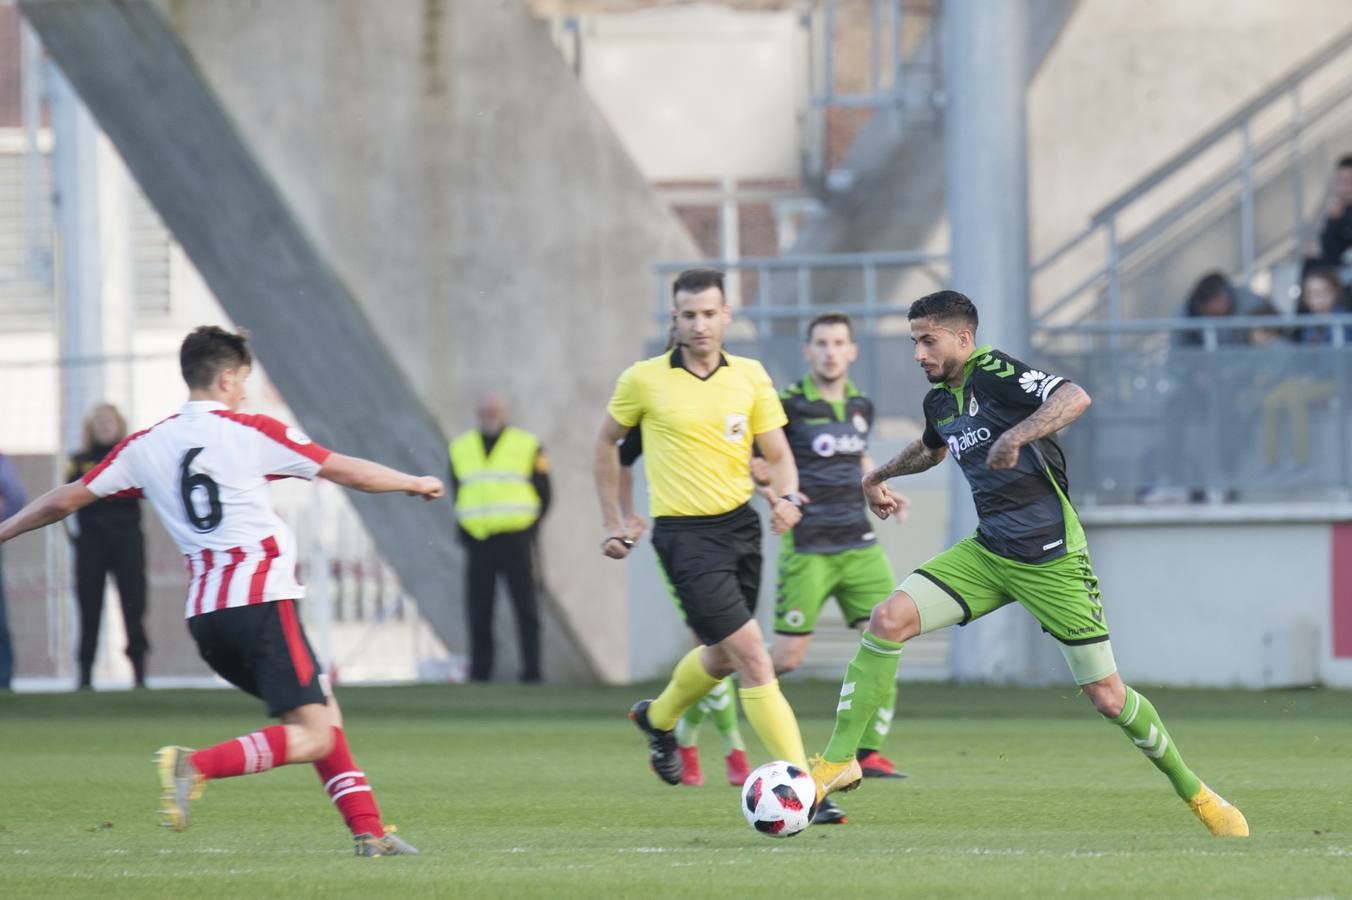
(544, 792)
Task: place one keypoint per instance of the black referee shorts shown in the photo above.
(714, 566)
(261, 649)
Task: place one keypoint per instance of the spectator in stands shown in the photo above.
(1267, 335)
(108, 540)
(1196, 377)
(11, 501)
(1295, 397)
(1212, 296)
(1335, 238)
(1321, 293)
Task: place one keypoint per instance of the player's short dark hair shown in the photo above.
(692, 281)
(830, 318)
(945, 307)
(209, 349)
(1345, 162)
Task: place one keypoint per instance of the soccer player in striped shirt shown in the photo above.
(205, 470)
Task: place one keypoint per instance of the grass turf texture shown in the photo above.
(544, 792)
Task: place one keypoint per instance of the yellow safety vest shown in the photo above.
(495, 493)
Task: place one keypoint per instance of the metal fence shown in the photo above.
(1209, 418)
(769, 289)
(1185, 410)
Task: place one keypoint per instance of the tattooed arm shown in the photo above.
(914, 457)
(1059, 410)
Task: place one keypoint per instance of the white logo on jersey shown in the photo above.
(860, 423)
(296, 436)
(972, 437)
(827, 444)
(1031, 381)
(734, 429)
(972, 406)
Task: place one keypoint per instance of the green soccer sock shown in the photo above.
(865, 689)
(1143, 725)
(687, 726)
(721, 705)
(877, 730)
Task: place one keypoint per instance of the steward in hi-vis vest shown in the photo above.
(501, 481)
(494, 490)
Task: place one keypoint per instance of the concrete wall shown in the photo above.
(1217, 601)
(456, 175)
(447, 166)
(1129, 84)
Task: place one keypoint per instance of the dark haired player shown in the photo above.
(997, 418)
(205, 469)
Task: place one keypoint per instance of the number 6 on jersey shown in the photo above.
(188, 483)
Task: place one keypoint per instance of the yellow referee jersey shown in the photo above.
(697, 432)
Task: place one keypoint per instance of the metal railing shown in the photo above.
(1261, 147)
(900, 79)
(1188, 411)
(858, 283)
(888, 64)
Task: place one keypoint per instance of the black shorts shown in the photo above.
(714, 566)
(261, 649)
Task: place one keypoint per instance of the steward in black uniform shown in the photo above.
(109, 540)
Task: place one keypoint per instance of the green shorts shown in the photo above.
(967, 581)
(859, 579)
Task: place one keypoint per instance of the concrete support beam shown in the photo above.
(137, 79)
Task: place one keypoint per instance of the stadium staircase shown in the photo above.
(1245, 196)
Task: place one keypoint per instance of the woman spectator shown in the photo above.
(1321, 293)
(108, 540)
(1288, 405)
(1212, 296)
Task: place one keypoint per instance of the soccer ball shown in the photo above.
(779, 799)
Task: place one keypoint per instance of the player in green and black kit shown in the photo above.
(996, 417)
(833, 551)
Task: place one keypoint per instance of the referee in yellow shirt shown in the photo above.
(701, 409)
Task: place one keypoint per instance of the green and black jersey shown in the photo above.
(829, 441)
(1024, 512)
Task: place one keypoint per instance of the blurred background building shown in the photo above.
(408, 202)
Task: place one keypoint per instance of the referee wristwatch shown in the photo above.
(795, 498)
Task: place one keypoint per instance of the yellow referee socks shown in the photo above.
(771, 716)
(689, 682)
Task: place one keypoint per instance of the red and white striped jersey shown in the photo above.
(206, 470)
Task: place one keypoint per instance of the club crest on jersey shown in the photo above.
(827, 444)
(972, 406)
(959, 444)
(734, 427)
(860, 423)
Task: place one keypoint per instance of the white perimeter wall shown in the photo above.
(1219, 603)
